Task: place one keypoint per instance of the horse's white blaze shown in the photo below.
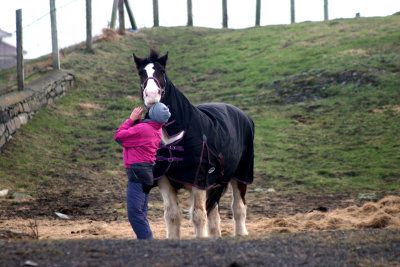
(151, 94)
(238, 210)
(150, 70)
(172, 214)
(165, 140)
(198, 213)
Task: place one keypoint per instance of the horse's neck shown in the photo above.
(182, 111)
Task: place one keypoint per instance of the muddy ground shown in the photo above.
(284, 230)
(339, 248)
(103, 214)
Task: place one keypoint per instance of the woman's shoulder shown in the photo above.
(147, 126)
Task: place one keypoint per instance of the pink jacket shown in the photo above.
(140, 141)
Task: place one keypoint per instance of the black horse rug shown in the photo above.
(215, 144)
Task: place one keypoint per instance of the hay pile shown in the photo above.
(383, 214)
(108, 35)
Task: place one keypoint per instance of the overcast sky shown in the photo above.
(206, 13)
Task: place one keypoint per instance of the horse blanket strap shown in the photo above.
(171, 159)
(169, 123)
(222, 161)
(178, 148)
(208, 163)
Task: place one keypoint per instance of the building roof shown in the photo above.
(4, 34)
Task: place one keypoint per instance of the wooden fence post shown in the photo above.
(190, 13)
(20, 51)
(258, 12)
(114, 14)
(155, 13)
(130, 14)
(121, 17)
(292, 12)
(54, 39)
(224, 14)
(326, 10)
(89, 25)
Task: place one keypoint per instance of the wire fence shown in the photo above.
(36, 31)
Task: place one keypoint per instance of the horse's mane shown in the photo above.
(154, 55)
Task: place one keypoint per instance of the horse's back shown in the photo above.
(233, 135)
(227, 115)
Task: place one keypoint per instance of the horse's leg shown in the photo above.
(198, 214)
(214, 221)
(239, 207)
(172, 214)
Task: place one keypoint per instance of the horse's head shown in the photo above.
(153, 80)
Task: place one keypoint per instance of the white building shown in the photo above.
(8, 53)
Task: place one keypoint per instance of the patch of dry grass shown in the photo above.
(383, 214)
(109, 35)
(89, 106)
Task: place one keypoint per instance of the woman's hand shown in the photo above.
(136, 114)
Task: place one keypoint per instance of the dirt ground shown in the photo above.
(104, 215)
(329, 248)
(284, 230)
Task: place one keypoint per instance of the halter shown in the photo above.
(157, 83)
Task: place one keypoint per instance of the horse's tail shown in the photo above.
(214, 194)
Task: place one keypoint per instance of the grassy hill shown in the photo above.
(325, 98)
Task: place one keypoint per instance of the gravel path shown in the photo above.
(336, 248)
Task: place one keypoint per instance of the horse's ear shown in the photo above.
(163, 60)
(138, 61)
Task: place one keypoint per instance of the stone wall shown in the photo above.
(17, 107)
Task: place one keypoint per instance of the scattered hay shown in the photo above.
(95, 230)
(334, 223)
(369, 208)
(280, 222)
(378, 221)
(312, 225)
(282, 230)
(360, 52)
(68, 229)
(89, 106)
(394, 109)
(351, 209)
(316, 216)
(390, 201)
(392, 211)
(383, 214)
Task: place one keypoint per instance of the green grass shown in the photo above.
(343, 140)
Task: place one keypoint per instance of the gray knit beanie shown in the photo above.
(159, 113)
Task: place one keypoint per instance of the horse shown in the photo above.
(203, 149)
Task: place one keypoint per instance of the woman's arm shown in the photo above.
(126, 134)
